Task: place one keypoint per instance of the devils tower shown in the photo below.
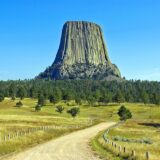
(82, 54)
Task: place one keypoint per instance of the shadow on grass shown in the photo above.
(156, 125)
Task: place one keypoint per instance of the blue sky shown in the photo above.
(30, 33)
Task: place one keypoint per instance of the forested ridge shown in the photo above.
(87, 90)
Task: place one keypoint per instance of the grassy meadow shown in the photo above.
(141, 134)
(13, 119)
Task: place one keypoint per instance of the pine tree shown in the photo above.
(41, 100)
(119, 98)
(59, 109)
(73, 111)
(124, 113)
(21, 93)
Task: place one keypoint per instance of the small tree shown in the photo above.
(78, 100)
(13, 98)
(145, 97)
(57, 95)
(19, 104)
(59, 109)
(51, 99)
(21, 93)
(119, 98)
(91, 100)
(73, 111)
(37, 107)
(41, 100)
(124, 113)
(156, 99)
(1, 97)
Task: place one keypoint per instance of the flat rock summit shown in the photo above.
(82, 54)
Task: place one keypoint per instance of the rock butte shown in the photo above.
(82, 54)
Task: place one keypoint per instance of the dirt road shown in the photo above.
(73, 146)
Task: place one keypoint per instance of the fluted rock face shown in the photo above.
(82, 54)
(82, 42)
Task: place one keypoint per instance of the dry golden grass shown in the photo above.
(142, 133)
(13, 119)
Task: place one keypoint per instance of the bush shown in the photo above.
(130, 140)
(51, 99)
(124, 113)
(19, 104)
(1, 98)
(13, 98)
(41, 100)
(73, 111)
(37, 107)
(78, 100)
(59, 109)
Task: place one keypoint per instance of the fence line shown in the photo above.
(10, 136)
(120, 150)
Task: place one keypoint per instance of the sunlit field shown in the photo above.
(140, 134)
(14, 119)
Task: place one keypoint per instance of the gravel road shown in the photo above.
(73, 146)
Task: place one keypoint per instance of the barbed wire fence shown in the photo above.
(118, 148)
(5, 137)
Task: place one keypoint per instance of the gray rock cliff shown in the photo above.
(82, 54)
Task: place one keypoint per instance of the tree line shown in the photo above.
(92, 91)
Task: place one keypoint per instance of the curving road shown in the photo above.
(73, 146)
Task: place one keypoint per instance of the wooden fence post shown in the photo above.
(112, 144)
(147, 155)
(9, 136)
(133, 153)
(5, 138)
(120, 148)
(124, 149)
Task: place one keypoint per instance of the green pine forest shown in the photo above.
(91, 91)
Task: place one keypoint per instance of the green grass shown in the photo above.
(101, 149)
(141, 132)
(29, 140)
(13, 119)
